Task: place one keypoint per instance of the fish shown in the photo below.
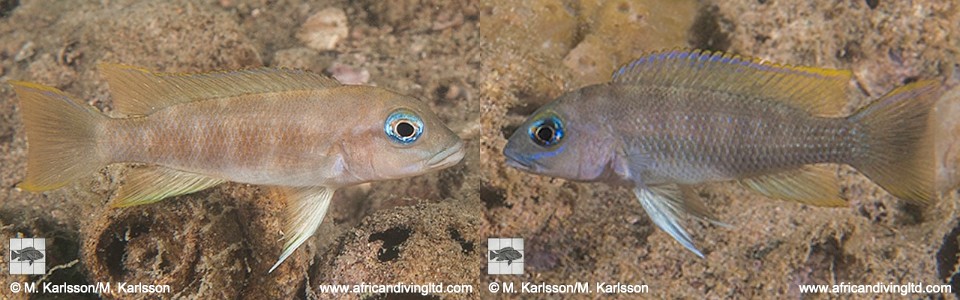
(672, 120)
(29, 253)
(301, 133)
(506, 254)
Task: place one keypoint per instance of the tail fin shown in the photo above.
(14, 254)
(899, 147)
(61, 136)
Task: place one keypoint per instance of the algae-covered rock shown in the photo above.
(195, 245)
(581, 42)
(621, 30)
(427, 243)
(531, 26)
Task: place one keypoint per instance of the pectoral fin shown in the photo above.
(664, 206)
(814, 185)
(305, 210)
(154, 183)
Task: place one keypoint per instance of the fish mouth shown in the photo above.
(518, 161)
(448, 157)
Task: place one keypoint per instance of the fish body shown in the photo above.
(506, 254)
(675, 119)
(689, 136)
(29, 253)
(299, 132)
(287, 138)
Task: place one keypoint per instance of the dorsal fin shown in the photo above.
(140, 92)
(818, 91)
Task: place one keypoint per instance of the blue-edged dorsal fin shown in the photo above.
(818, 91)
(140, 92)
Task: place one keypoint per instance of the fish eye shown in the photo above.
(546, 131)
(403, 126)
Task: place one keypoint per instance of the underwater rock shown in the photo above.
(621, 30)
(948, 137)
(324, 29)
(424, 243)
(26, 52)
(349, 75)
(195, 246)
(541, 26)
(199, 244)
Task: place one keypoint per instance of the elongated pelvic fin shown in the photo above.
(814, 185)
(900, 153)
(818, 91)
(664, 205)
(306, 208)
(154, 183)
(62, 136)
(140, 92)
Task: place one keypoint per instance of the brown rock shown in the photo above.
(324, 29)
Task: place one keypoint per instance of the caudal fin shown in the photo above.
(899, 154)
(61, 136)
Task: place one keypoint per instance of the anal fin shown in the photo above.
(814, 185)
(305, 210)
(154, 183)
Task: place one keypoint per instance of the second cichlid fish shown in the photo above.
(675, 119)
(303, 133)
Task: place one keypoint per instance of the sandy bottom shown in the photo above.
(483, 67)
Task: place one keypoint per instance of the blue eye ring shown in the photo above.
(546, 131)
(403, 126)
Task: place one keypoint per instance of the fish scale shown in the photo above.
(697, 136)
(244, 143)
(674, 119)
(302, 134)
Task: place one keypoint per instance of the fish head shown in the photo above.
(404, 138)
(559, 140)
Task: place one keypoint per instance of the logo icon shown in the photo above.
(28, 256)
(505, 256)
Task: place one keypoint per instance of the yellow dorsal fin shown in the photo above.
(140, 92)
(818, 91)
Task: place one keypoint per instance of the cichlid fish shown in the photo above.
(29, 253)
(679, 118)
(506, 254)
(301, 132)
